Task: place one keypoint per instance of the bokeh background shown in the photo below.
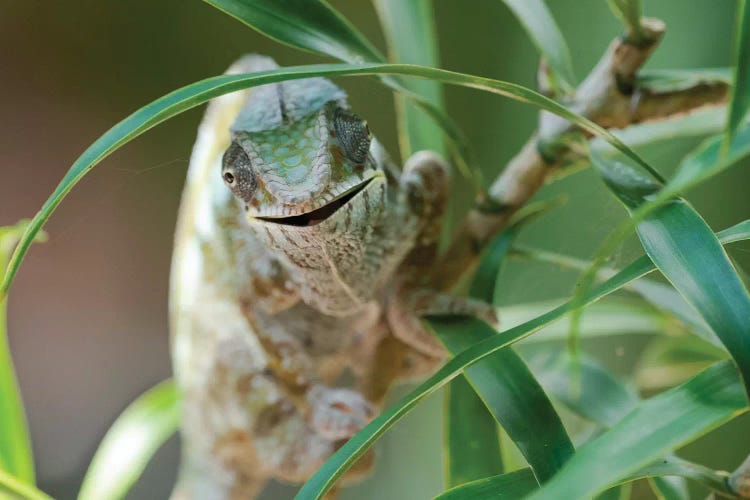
(87, 314)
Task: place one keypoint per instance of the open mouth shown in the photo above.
(319, 215)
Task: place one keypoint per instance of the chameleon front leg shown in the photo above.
(425, 186)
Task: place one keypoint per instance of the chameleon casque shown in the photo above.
(297, 284)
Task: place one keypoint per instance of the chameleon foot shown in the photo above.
(338, 413)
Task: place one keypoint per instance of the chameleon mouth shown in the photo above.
(320, 214)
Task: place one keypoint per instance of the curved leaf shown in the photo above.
(15, 445)
(305, 24)
(544, 32)
(195, 94)
(345, 457)
(131, 442)
(510, 486)
(520, 483)
(513, 396)
(690, 256)
(11, 487)
(469, 435)
(504, 382)
(653, 429)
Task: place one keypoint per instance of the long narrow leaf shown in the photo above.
(13, 488)
(409, 28)
(688, 253)
(15, 445)
(131, 442)
(653, 429)
(195, 94)
(305, 24)
(504, 382)
(470, 436)
(544, 32)
(327, 475)
(519, 484)
(514, 397)
(740, 101)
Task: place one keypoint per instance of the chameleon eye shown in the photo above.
(237, 172)
(353, 135)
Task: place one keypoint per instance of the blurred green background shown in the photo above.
(87, 314)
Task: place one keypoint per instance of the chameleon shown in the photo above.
(298, 280)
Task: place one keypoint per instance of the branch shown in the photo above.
(610, 96)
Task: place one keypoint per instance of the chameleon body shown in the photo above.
(296, 284)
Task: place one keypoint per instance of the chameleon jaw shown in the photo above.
(321, 214)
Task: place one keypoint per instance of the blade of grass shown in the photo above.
(310, 25)
(345, 457)
(740, 100)
(15, 445)
(690, 256)
(541, 27)
(131, 442)
(469, 435)
(195, 94)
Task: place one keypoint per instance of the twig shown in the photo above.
(611, 97)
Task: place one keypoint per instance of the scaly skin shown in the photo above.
(298, 256)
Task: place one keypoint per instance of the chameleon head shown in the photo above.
(312, 191)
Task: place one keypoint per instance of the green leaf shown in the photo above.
(131, 442)
(544, 32)
(709, 160)
(690, 256)
(519, 484)
(327, 475)
(304, 24)
(15, 445)
(504, 382)
(668, 361)
(653, 429)
(584, 386)
(195, 94)
(662, 296)
(470, 436)
(409, 29)
(513, 396)
(740, 100)
(13, 488)
(602, 319)
(670, 488)
(510, 486)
